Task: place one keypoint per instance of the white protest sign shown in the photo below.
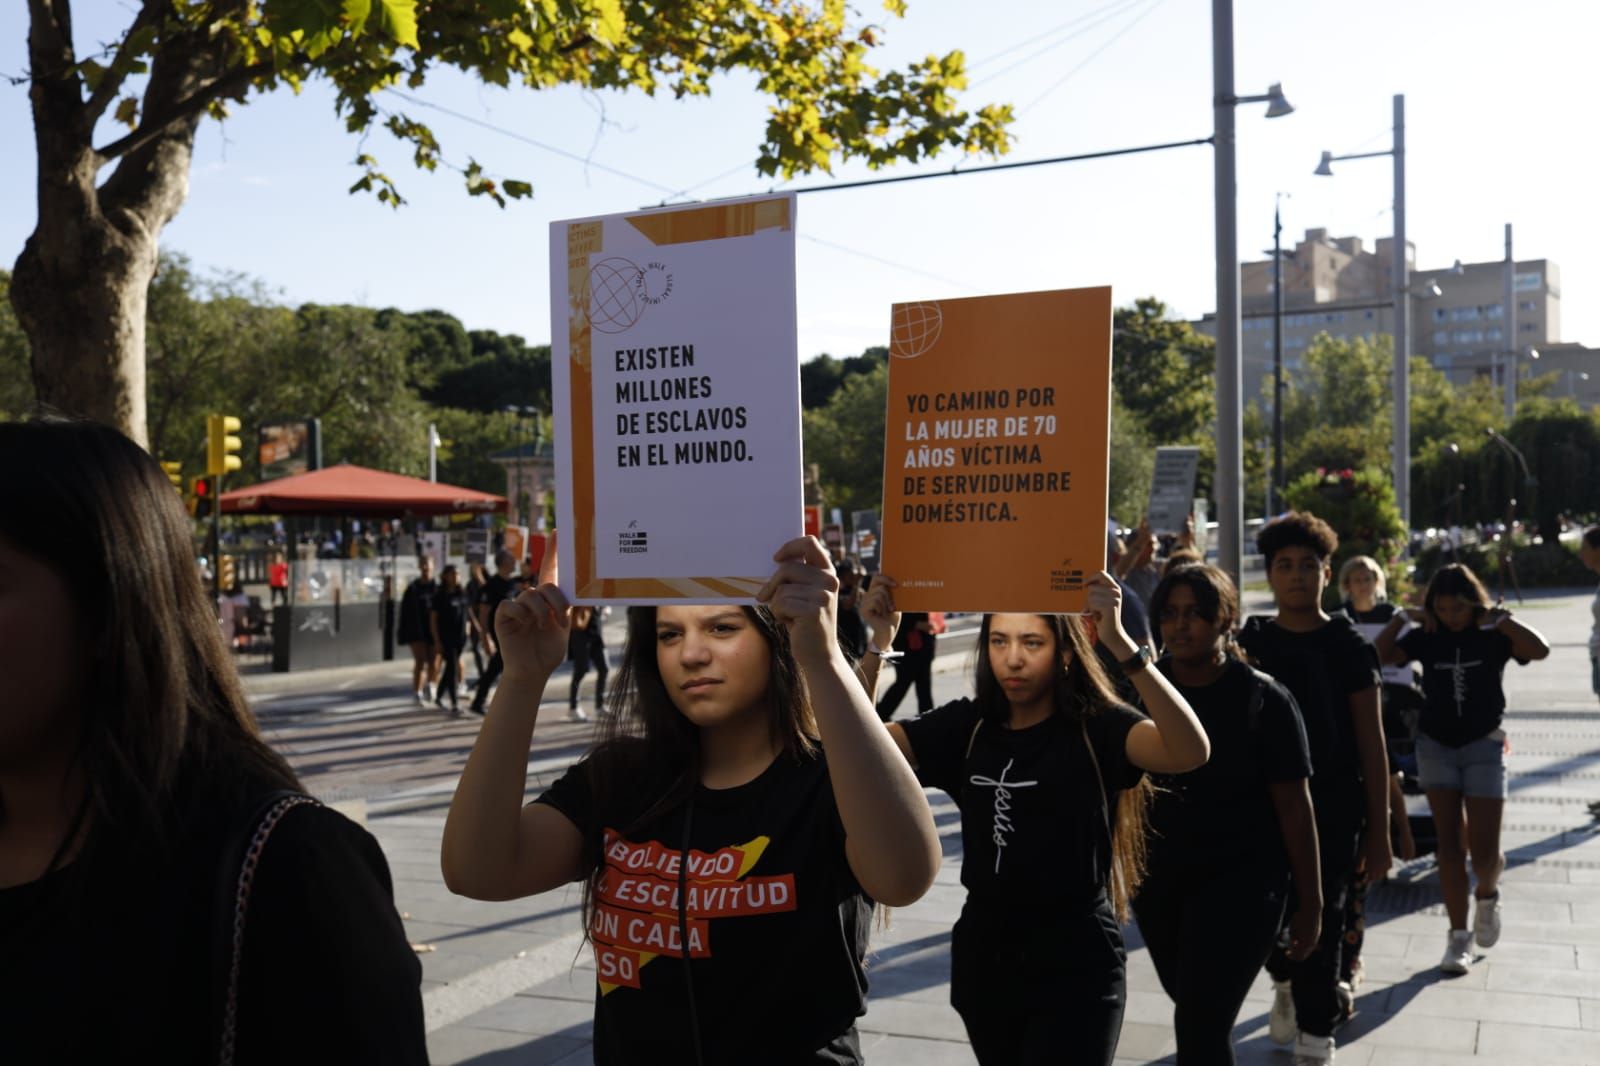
(677, 400)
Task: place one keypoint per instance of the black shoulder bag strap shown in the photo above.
(241, 855)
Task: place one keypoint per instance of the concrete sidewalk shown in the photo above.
(509, 982)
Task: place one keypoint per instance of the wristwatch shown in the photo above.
(1137, 661)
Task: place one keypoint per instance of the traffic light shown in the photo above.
(200, 489)
(174, 473)
(221, 444)
(225, 573)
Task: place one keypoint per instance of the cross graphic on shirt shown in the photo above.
(1002, 806)
(1458, 678)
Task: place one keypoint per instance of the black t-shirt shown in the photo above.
(1033, 819)
(1463, 699)
(778, 924)
(914, 641)
(496, 589)
(127, 968)
(451, 607)
(413, 622)
(1321, 669)
(1221, 816)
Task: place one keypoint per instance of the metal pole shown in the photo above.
(1402, 324)
(1275, 491)
(1510, 382)
(1230, 423)
(433, 452)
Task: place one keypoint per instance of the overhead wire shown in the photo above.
(1090, 58)
(1122, 8)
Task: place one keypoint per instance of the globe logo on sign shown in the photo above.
(615, 304)
(915, 329)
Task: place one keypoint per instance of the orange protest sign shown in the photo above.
(995, 462)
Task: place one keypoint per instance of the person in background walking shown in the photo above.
(278, 579)
(852, 633)
(1047, 767)
(447, 619)
(586, 646)
(496, 590)
(1463, 645)
(413, 630)
(135, 795)
(1589, 552)
(1225, 838)
(1332, 673)
(1365, 589)
(914, 642)
(476, 636)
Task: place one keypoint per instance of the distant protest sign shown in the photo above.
(1172, 489)
(995, 462)
(864, 524)
(677, 400)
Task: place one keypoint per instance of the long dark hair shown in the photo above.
(648, 750)
(1080, 691)
(163, 711)
(1453, 579)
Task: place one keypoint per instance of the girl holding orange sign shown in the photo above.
(1048, 768)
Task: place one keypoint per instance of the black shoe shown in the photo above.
(475, 709)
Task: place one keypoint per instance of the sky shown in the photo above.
(1498, 99)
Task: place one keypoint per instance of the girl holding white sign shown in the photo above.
(729, 869)
(1047, 766)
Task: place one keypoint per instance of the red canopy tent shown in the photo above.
(357, 492)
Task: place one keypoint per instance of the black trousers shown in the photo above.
(593, 653)
(489, 676)
(913, 668)
(1340, 819)
(1036, 986)
(1209, 932)
(448, 681)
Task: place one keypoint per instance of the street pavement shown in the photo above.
(510, 982)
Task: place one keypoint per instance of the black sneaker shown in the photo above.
(477, 710)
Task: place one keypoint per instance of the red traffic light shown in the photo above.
(202, 488)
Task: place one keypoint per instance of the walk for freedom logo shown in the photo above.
(620, 291)
(633, 540)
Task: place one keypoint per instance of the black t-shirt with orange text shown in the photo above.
(777, 924)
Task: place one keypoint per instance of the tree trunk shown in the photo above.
(82, 282)
(81, 301)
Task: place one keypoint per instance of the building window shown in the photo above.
(1441, 336)
(1527, 305)
(1369, 317)
(1493, 334)
(1469, 336)
(1463, 314)
(1528, 327)
(1494, 311)
(1443, 361)
(1529, 282)
(1439, 314)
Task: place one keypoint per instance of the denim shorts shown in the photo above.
(1474, 769)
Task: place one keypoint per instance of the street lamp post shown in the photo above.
(1401, 285)
(522, 412)
(1275, 492)
(1229, 480)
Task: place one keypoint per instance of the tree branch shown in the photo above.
(50, 53)
(117, 72)
(151, 128)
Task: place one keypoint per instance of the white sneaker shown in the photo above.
(1486, 921)
(1281, 1025)
(577, 715)
(1313, 1050)
(1457, 952)
(427, 692)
